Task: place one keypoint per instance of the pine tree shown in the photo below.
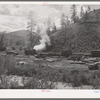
(89, 9)
(38, 30)
(63, 21)
(2, 43)
(49, 25)
(74, 13)
(82, 12)
(54, 28)
(31, 27)
(86, 16)
(67, 20)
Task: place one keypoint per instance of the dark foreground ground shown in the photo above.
(29, 72)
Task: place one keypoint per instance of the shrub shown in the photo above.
(75, 78)
(47, 74)
(6, 63)
(65, 75)
(35, 83)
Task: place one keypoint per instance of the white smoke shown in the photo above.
(44, 39)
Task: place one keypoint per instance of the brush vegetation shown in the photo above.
(45, 77)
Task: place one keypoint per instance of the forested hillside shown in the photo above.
(78, 37)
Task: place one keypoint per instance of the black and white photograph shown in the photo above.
(49, 46)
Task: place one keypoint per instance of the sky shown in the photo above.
(14, 16)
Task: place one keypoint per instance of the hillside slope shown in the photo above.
(21, 33)
(77, 37)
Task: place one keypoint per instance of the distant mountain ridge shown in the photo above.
(21, 33)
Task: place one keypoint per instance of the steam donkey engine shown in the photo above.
(30, 52)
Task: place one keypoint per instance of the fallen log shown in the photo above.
(93, 67)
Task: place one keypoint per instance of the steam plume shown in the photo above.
(44, 38)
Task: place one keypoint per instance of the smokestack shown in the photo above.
(44, 39)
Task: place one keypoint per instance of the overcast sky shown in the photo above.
(13, 16)
(41, 10)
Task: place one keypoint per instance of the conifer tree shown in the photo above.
(74, 13)
(31, 27)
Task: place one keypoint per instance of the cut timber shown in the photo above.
(93, 66)
(95, 53)
(77, 62)
(53, 59)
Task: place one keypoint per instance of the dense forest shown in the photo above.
(77, 38)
